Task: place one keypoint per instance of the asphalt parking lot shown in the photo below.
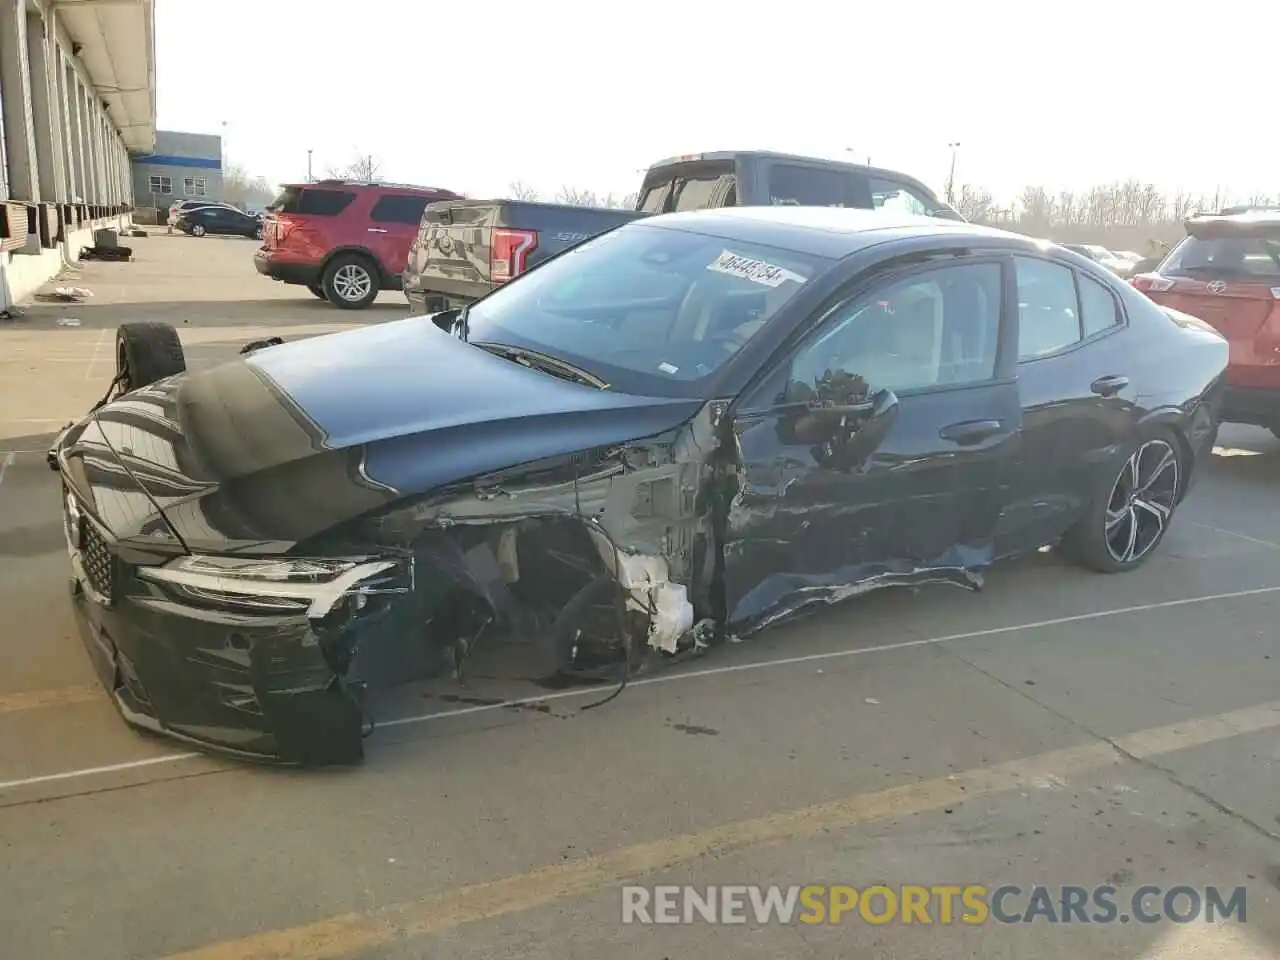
(1060, 728)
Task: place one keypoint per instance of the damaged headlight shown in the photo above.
(284, 584)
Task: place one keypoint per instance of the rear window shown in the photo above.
(312, 201)
(796, 186)
(694, 193)
(398, 208)
(1227, 257)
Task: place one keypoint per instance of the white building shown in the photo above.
(77, 95)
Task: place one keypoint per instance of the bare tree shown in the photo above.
(243, 190)
(520, 190)
(364, 167)
(575, 197)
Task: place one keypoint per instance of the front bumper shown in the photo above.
(251, 686)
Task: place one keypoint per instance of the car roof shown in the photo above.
(717, 156)
(832, 232)
(365, 184)
(1250, 218)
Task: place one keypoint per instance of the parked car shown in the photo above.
(467, 248)
(199, 221)
(177, 209)
(686, 429)
(1226, 271)
(1101, 255)
(343, 240)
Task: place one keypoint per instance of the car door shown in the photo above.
(216, 220)
(393, 226)
(1076, 396)
(880, 449)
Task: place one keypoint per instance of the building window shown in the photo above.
(194, 186)
(162, 185)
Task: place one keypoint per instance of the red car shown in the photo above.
(1227, 272)
(344, 241)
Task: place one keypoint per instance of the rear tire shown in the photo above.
(317, 291)
(198, 230)
(1131, 508)
(147, 352)
(351, 282)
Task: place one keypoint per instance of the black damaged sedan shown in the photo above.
(679, 431)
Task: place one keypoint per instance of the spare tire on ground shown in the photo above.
(147, 352)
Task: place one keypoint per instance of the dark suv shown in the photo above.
(344, 241)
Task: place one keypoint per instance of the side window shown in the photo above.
(401, 208)
(935, 328)
(890, 195)
(795, 186)
(1048, 315)
(323, 203)
(1098, 307)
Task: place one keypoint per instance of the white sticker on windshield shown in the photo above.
(668, 368)
(757, 271)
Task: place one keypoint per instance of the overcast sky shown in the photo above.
(473, 94)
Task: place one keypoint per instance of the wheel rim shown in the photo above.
(1142, 500)
(198, 231)
(352, 282)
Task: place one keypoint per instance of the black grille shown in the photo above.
(96, 558)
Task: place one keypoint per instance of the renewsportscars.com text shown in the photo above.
(930, 904)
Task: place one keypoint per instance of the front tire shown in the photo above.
(147, 352)
(1131, 511)
(350, 282)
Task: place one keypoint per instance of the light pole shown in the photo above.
(951, 177)
(309, 180)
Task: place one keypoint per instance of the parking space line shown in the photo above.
(831, 655)
(96, 771)
(487, 900)
(6, 463)
(61, 696)
(673, 677)
(1239, 536)
(88, 370)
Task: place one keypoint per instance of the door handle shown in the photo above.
(1109, 386)
(969, 432)
(376, 230)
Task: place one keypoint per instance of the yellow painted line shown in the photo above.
(60, 697)
(352, 932)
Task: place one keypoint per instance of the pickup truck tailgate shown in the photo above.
(465, 248)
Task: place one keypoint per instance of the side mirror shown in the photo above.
(844, 434)
(446, 320)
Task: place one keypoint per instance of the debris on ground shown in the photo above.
(115, 254)
(10, 313)
(136, 232)
(253, 345)
(66, 295)
(68, 322)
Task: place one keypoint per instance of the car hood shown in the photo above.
(269, 450)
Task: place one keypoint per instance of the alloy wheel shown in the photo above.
(1141, 502)
(198, 230)
(352, 282)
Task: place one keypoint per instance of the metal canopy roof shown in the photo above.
(117, 41)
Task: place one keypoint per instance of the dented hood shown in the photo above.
(266, 451)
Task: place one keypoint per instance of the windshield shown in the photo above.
(1241, 257)
(646, 309)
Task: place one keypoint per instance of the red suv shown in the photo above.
(343, 241)
(1227, 272)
